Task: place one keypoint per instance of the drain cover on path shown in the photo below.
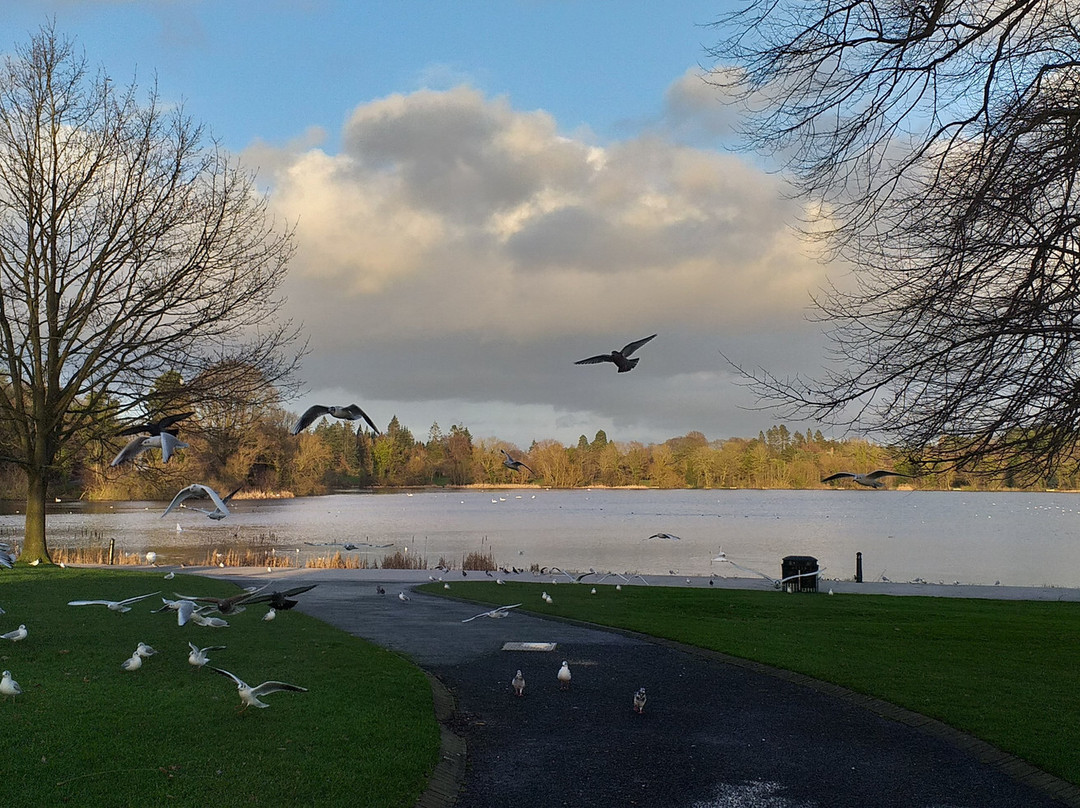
(528, 646)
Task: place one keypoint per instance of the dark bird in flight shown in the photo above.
(157, 427)
(280, 600)
(516, 465)
(350, 413)
(871, 480)
(620, 358)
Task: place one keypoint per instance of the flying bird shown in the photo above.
(217, 514)
(515, 465)
(158, 427)
(349, 413)
(665, 536)
(564, 676)
(502, 611)
(282, 600)
(16, 635)
(198, 656)
(250, 695)
(198, 490)
(519, 684)
(119, 606)
(871, 480)
(639, 701)
(233, 604)
(620, 358)
(9, 687)
(166, 441)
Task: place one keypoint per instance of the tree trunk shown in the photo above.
(34, 547)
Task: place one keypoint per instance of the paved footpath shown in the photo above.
(716, 731)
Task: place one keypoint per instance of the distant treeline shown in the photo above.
(255, 449)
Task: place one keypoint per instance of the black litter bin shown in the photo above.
(799, 565)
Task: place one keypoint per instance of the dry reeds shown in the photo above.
(337, 562)
(401, 561)
(479, 561)
(93, 555)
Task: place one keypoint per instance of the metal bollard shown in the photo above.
(112, 548)
(858, 568)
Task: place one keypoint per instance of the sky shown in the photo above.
(484, 193)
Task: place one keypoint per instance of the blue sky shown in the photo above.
(484, 193)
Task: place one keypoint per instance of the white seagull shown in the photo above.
(519, 684)
(16, 635)
(349, 413)
(639, 701)
(132, 663)
(403, 597)
(250, 695)
(199, 490)
(119, 606)
(145, 650)
(198, 656)
(871, 480)
(270, 615)
(166, 441)
(502, 611)
(217, 514)
(9, 687)
(564, 676)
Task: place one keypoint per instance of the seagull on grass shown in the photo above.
(502, 611)
(199, 490)
(349, 413)
(132, 663)
(621, 359)
(871, 480)
(16, 635)
(145, 650)
(250, 695)
(9, 687)
(198, 656)
(119, 606)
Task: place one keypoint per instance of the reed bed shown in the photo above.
(479, 561)
(339, 562)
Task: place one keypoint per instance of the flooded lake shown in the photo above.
(1020, 539)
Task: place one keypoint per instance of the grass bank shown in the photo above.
(1004, 671)
(87, 733)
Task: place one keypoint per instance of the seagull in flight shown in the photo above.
(502, 611)
(166, 441)
(250, 695)
(217, 514)
(120, 606)
(515, 465)
(871, 480)
(198, 656)
(158, 427)
(620, 358)
(281, 600)
(199, 490)
(233, 604)
(349, 413)
(665, 536)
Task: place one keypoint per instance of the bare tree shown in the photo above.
(940, 142)
(129, 249)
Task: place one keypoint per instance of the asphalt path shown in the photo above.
(715, 731)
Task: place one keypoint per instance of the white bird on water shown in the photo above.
(9, 687)
(16, 635)
(519, 684)
(250, 695)
(403, 597)
(564, 676)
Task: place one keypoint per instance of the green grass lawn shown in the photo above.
(1004, 671)
(85, 732)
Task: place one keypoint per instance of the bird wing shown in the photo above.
(169, 443)
(596, 360)
(137, 598)
(308, 418)
(254, 597)
(239, 682)
(218, 501)
(274, 687)
(163, 424)
(876, 475)
(507, 608)
(132, 450)
(355, 412)
(232, 493)
(89, 602)
(840, 475)
(633, 346)
(181, 495)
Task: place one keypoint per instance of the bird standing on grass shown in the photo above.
(132, 663)
(145, 650)
(9, 687)
(16, 635)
